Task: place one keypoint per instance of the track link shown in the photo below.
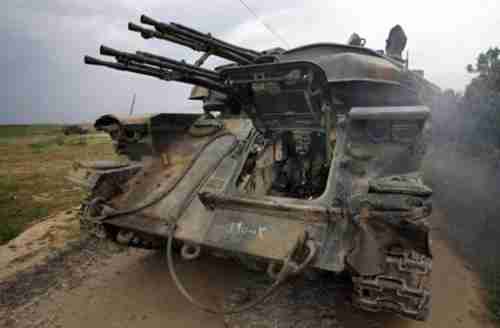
(404, 287)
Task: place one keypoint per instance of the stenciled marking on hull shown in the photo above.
(242, 230)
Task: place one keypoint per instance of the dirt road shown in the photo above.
(133, 289)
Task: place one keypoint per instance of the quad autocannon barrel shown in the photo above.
(160, 67)
(159, 61)
(173, 70)
(195, 40)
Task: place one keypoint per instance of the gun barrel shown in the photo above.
(202, 42)
(149, 21)
(193, 31)
(122, 67)
(181, 65)
(167, 75)
(148, 34)
(161, 62)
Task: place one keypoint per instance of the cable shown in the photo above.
(267, 26)
(289, 268)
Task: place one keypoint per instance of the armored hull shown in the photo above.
(312, 162)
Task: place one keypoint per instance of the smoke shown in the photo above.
(462, 166)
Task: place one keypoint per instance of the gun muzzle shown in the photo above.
(145, 33)
(194, 39)
(92, 61)
(134, 27)
(107, 51)
(148, 20)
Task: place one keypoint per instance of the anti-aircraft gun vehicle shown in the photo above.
(306, 158)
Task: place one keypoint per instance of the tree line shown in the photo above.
(473, 118)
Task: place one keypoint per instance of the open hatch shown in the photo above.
(283, 96)
(289, 104)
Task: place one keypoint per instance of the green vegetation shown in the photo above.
(44, 143)
(17, 131)
(8, 230)
(474, 117)
(32, 173)
(14, 213)
(491, 278)
(482, 97)
(488, 67)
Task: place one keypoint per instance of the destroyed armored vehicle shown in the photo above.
(303, 159)
(74, 129)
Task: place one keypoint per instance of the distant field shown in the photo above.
(35, 159)
(16, 131)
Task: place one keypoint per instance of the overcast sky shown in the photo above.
(43, 78)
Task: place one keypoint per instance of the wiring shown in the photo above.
(267, 26)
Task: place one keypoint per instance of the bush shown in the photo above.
(14, 214)
(9, 231)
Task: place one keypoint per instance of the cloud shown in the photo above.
(44, 79)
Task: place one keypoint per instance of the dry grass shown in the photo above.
(33, 166)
